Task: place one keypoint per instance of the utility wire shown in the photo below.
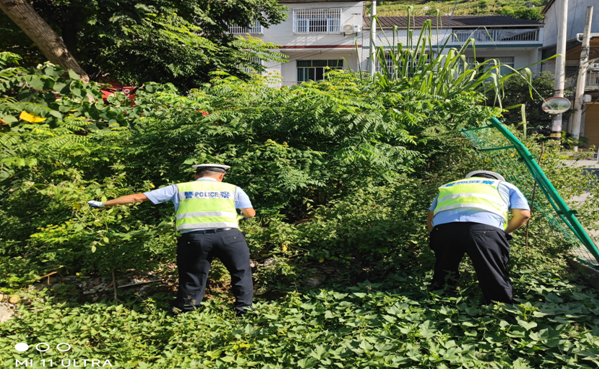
(450, 19)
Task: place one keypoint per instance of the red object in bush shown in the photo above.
(129, 91)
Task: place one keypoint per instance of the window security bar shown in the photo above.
(254, 29)
(497, 35)
(249, 69)
(318, 20)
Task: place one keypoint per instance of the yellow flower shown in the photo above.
(32, 118)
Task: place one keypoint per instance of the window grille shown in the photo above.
(497, 35)
(315, 70)
(320, 20)
(505, 61)
(254, 29)
(249, 69)
(390, 63)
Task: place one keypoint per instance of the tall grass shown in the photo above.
(437, 69)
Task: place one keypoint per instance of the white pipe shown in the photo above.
(560, 62)
(372, 38)
(582, 75)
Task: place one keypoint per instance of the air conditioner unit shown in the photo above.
(351, 28)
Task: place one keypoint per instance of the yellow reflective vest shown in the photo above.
(473, 193)
(206, 205)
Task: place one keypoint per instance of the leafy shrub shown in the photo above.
(289, 148)
(533, 14)
(517, 91)
(393, 324)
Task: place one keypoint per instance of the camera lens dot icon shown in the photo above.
(21, 347)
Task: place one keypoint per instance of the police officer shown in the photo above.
(207, 224)
(471, 216)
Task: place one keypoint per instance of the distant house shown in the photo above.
(576, 20)
(335, 34)
(313, 36)
(514, 42)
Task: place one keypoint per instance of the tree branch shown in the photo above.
(44, 37)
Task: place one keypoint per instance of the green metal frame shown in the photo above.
(556, 201)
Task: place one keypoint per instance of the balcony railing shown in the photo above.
(497, 35)
(591, 85)
(255, 29)
(592, 81)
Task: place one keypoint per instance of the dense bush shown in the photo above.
(340, 171)
(290, 149)
(179, 42)
(517, 91)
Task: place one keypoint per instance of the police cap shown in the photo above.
(485, 174)
(211, 167)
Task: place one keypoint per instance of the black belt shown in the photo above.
(215, 230)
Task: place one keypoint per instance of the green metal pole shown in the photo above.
(540, 176)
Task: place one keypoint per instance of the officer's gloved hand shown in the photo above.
(95, 204)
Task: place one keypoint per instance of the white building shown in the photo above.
(335, 34)
(514, 42)
(313, 38)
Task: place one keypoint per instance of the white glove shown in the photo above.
(95, 204)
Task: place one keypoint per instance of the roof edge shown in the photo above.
(447, 23)
(547, 6)
(454, 26)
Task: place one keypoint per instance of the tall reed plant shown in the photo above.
(438, 69)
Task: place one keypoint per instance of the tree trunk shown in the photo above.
(44, 37)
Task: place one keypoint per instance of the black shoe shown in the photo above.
(241, 311)
(176, 310)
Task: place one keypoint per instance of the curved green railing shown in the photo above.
(496, 143)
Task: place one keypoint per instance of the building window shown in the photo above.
(322, 20)
(505, 61)
(394, 67)
(249, 69)
(314, 70)
(254, 29)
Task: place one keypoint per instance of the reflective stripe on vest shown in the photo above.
(482, 194)
(205, 205)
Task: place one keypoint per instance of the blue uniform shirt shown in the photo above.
(510, 194)
(170, 193)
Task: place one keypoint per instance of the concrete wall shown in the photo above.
(576, 17)
(315, 46)
(351, 13)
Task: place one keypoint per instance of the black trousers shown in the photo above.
(195, 253)
(488, 248)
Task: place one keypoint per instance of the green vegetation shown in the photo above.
(132, 42)
(341, 172)
(523, 9)
(395, 324)
(517, 91)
